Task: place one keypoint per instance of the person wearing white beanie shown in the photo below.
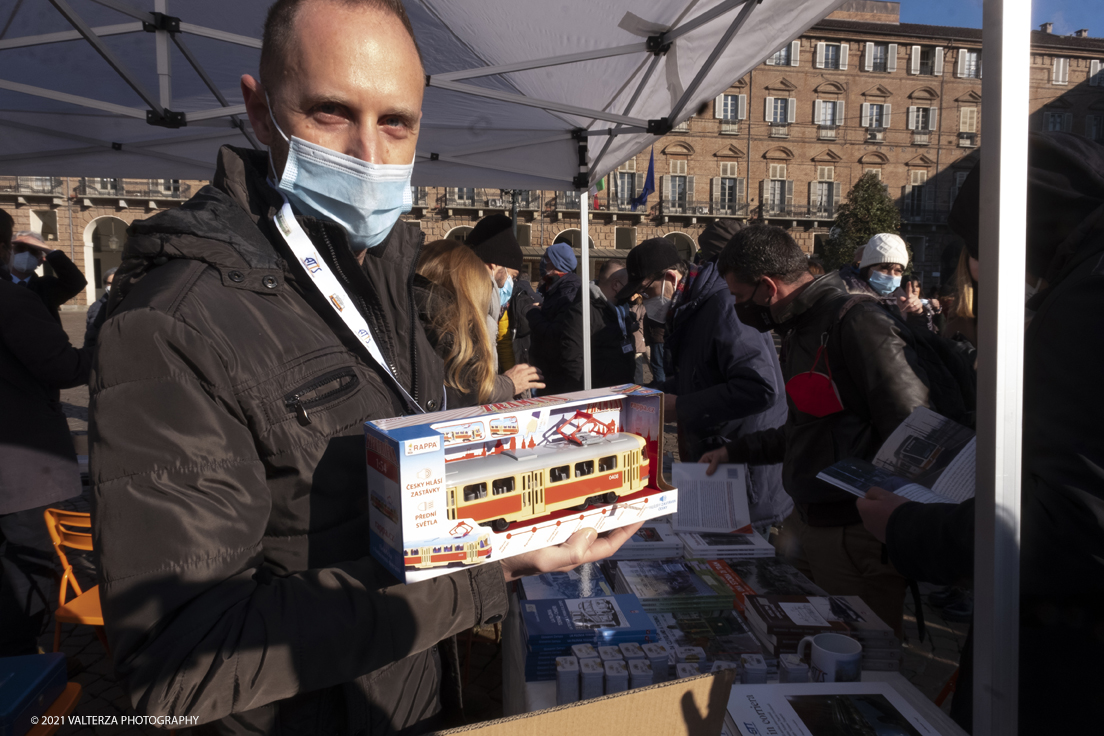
(881, 267)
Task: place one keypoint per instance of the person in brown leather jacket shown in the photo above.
(879, 383)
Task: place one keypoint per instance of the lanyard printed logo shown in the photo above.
(327, 284)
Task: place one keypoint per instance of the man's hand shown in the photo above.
(910, 303)
(714, 458)
(525, 377)
(585, 545)
(669, 414)
(876, 508)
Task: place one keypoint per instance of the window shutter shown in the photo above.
(933, 118)
(886, 109)
(938, 66)
(741, 191)
(838, 119)
(820, 55)
(450, 194)
(1065, 71)
(715, 192)
(1094, 73)
(791, 110)
(864, 118)
(868, 57)
(667, 189)
(960, 63)
(910, 122)
(769, 116)
(795, 52)
(638, 184)
(769, 61)
(1054, 73)
(690, 191)
(836, 189)
(1067, 124)
(891, 58)
(818, 112)
(914, 60)
(718, 107)
(929, 198)
(812, 196)
(789, 194)
(741, 108)
(763, 193)
(843, 56)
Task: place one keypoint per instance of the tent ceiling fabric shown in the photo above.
(70, 109)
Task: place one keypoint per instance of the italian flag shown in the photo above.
(600, 186)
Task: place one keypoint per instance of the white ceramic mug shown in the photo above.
(834, 658)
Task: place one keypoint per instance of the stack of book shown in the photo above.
(782, 621)
(668, 586)
(551, 626)
(585, 581)
(762, 576)
(724, 635)
(741, 544)
(653, 541)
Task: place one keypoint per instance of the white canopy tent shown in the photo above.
(524, 95)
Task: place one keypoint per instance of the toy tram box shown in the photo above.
(460, 488)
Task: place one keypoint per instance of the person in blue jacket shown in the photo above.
(725, 377)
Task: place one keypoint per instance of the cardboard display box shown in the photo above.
(460, 488)
(693, 706)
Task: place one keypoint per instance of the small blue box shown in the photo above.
(28, 687)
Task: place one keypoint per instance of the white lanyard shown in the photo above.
(325, 281)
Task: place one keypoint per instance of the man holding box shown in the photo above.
(230, 501)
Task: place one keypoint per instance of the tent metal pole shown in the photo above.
(584, 276)
(701, 20)
(108, 55)
(216, 112)
(547, 105)
(164, 58)
(1003, 247)
(253, 43)
(628, 108)
(126, 9)
(48, 38)
(520, 66)
(49, 94)
(714, 55)
(194, 62)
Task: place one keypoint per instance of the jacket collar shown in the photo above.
(822, 287)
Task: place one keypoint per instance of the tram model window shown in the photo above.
(606, 464)
(502, 485)
(584, 468)
(475, 491)
(556, 475)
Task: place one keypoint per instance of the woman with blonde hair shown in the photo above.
(962, 319)
(454, 300)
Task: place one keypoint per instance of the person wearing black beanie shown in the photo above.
(1062, 493)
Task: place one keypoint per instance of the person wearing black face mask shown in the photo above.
(875, 383)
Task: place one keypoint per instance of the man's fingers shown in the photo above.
(534, 384)
(876, 494)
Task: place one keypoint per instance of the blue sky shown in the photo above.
(1066, 15)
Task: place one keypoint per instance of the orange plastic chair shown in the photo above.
(84, 608)
(948, 688)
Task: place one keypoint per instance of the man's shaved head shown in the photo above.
(279, 36)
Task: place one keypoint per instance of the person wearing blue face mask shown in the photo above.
(250, 334)
(881, 270)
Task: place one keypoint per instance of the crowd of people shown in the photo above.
(228, 392)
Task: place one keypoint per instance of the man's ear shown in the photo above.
(770, 289)
(256, 106)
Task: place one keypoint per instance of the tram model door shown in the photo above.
(471, 552)
(427, 556)
(536, 483)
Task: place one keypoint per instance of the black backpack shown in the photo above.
(949, 364)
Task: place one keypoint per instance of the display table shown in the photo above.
(519, 696)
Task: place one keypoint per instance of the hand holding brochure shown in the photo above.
(928, 458)
(710, 503)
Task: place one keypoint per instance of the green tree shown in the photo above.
(869, 210)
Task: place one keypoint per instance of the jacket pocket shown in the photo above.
(327, 388)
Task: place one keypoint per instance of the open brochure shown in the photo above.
(710, 503)
(817, 709)
(928, 458)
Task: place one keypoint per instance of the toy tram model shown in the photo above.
(446, 552)
(523, 484)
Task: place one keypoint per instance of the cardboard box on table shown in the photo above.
(425, 524)
(694, 706)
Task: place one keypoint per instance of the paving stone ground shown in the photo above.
(927, 664)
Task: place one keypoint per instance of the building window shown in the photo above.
(730, 193)
(876, 173)
(926, 60)
(780, 112)
(1059, 73)
(676, 186)
(1094, 128)
(1096, 73)
(831, 112)
(1060, 122)
(831, 56)
(785, 56)
(730, 109)
(922, 118)
(777, 195)
(967, 120)
(880, 57)
(875, 115)
(917, 199)
(969, 63)
(626, 188)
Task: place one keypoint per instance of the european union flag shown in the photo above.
(649, 185)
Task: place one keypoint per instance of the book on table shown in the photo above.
(724, 635)
(667, 585)
(928, 458)
(585, 581)
(653, 541)
(757, 576)
(741, 543)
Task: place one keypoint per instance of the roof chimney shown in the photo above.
(1083, 33)
(1046, 27)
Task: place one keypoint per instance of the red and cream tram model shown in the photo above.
(518, 485)
(442, 552)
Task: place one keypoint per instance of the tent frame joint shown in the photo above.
(660, 126)
(167, 119)
(658, 45)
(162, 22)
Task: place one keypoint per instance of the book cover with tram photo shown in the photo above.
(459, 488)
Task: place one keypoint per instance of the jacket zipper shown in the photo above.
(295, 402)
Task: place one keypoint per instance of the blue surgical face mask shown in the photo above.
(364, 198)
(882, 283)
(506, 290)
